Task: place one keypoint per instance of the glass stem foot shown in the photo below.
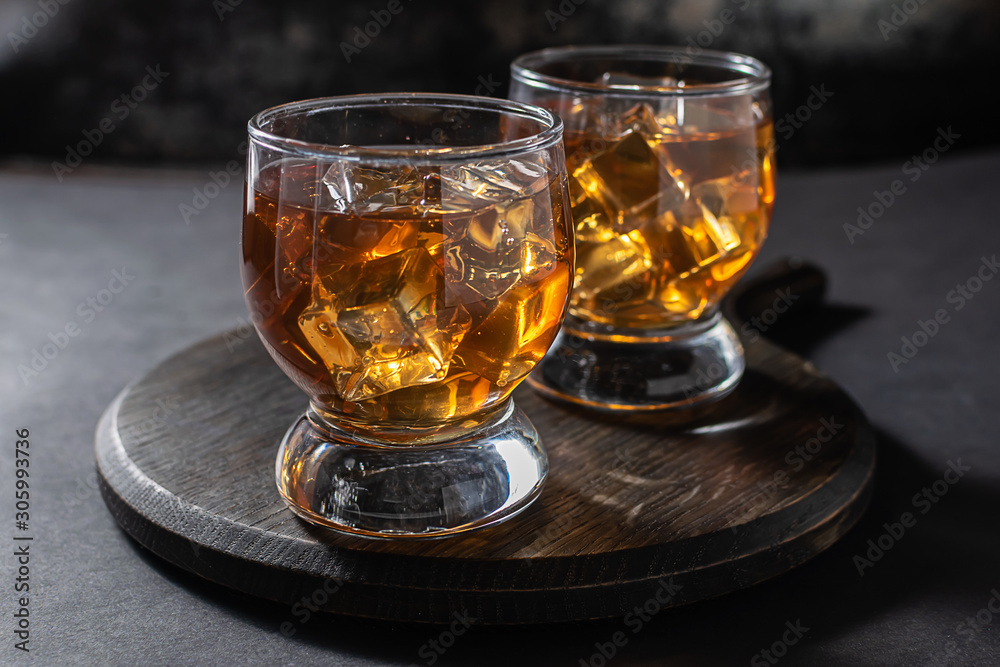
(629, 370)
(332, 479)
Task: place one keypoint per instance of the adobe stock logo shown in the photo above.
(223, 7)
(923, 501)
(882, 200)
(757, 325)
(87, 310)
(959, 297)
(974, 623)
(899, 17)
(635, 621)
(566, 9)
(213, 187)
(304, 609)
(779, 649)
(433, 649)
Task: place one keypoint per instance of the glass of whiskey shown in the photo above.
(670, 155)
(407, 261)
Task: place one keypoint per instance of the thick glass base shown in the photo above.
(618, 370)
(330, 478)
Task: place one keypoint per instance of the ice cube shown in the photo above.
(679, 287)
(515, 335)
(728, 196)
(477, 253)
(496, 229)
(668, 245)
(318, 321)
(318, 324)
(690, 238)
(677, 296)
(491, 181)
(735, 262)
(630, 181)
(714, 237)
(490, 250)
(472, 183)
(538, 256)
(293, 251)
(591, 229)
(531, 175)
(387, 330)
(642, 119)
(591, 215)
(293, 235)
(616, 116)
(618, 269)
(361, 189)
(368, 238)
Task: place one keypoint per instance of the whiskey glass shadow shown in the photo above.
(407, 261)
(670, 157)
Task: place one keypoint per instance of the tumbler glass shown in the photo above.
(670, 156)
(407, 261)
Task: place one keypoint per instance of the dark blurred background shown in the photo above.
(898, 70)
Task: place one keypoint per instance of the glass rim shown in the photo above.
(549, 135)
(757, 75)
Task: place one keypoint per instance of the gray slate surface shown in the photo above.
(97, 598)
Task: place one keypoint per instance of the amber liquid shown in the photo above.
(665, 222)
(421, 309)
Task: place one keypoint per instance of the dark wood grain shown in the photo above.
(717, 503)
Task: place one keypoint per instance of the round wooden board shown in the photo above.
(757, 484)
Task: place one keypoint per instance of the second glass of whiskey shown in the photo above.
(407, 260)
(671, 173)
